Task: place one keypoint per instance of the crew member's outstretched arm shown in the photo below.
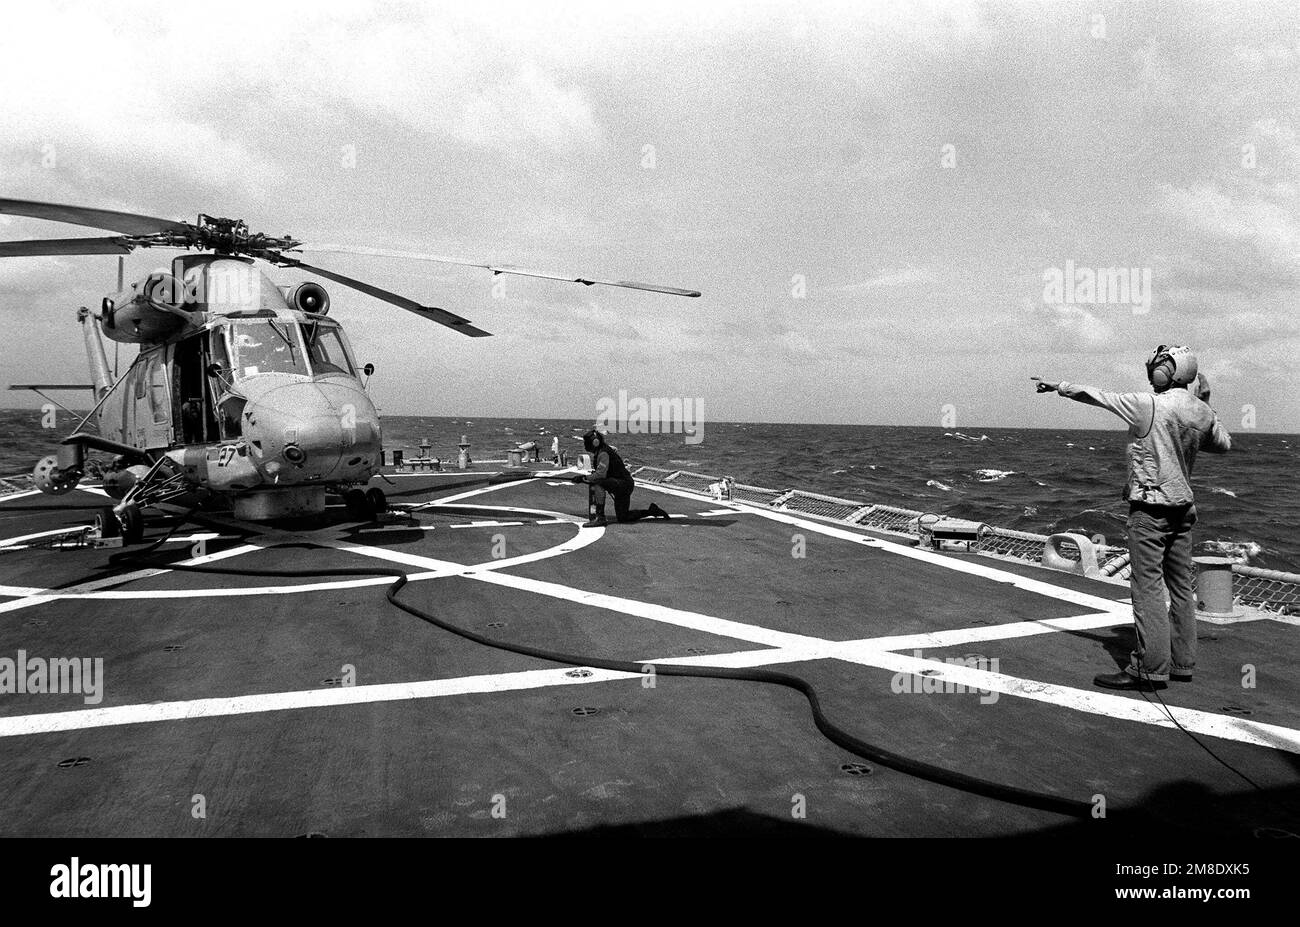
(1138, 410)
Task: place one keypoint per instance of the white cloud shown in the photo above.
(1265, 221)
(905, 276)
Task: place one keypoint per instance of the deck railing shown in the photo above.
(1266, 589)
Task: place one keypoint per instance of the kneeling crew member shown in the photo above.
(610, 474)
(1168, 427)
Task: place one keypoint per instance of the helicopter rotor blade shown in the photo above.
(441, 316)
(502, 268)
(51, 246)
(128, 222)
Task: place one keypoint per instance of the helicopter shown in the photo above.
(243, 393)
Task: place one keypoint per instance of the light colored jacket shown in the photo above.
(1168, 429)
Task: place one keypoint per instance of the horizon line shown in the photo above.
(545, 418)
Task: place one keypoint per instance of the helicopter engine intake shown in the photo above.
(308, 297)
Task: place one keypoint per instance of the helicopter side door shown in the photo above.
(147, 406)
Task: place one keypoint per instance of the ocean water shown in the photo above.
(1038, 480)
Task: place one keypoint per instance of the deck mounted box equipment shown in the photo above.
(951, 534)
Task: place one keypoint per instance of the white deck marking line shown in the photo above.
(93, 490)
(1097, 603)
(443, 500)
(720, 512)
(78, 591)
(1123, 708)
(26, 602)
(439, 569)
(695, 620)
(489, 524)
(870, 653)
(461, 474)
(557, 517)
(583, 538)
(451, 568)
(22, 494)
(1114, 706)
(23, 725)
(236, 591)
(725, 627)
(489, 572)
(10, 542)
(15, 544)
(996, 632)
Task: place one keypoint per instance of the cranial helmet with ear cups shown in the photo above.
(1171, 365)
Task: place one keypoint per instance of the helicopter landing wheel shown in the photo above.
(107, 524)
(132, 524)
(358, 505)
(377, 500)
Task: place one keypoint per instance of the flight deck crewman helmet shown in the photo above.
(1171, 365)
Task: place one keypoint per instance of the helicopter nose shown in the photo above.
(303, 432)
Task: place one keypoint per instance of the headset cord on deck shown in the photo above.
(1144, 676)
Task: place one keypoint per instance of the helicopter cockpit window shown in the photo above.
(328, 353)
(268, 346)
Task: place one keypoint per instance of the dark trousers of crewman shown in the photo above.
(1160, 555)
(621, 490)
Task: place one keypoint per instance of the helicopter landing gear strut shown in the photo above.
(162, 483)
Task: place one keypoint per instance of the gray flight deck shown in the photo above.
(237, 705)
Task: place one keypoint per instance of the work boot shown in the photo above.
(596, 521)
(1126, 683)
(656, 512)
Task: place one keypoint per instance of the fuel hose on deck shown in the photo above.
(832, 732)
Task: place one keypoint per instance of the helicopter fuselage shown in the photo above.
(243, 390)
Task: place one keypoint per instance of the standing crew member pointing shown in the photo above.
(1168, 427)
(610, 473)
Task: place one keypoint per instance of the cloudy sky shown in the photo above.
(872, 199)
